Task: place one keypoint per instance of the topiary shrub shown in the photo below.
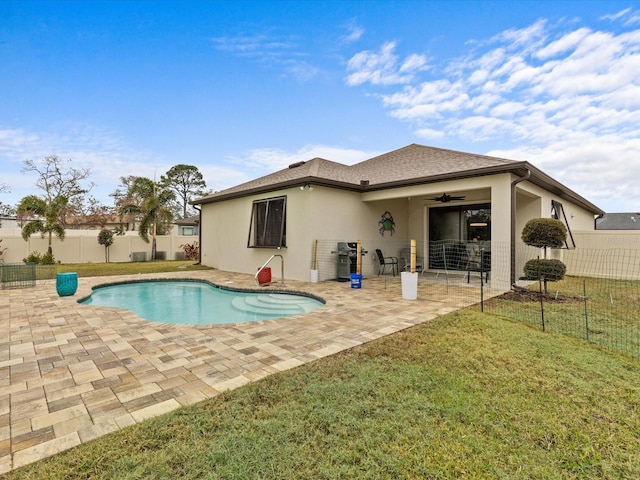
(548, 270)
(544, 233)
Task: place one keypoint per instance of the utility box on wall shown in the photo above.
(138, 256)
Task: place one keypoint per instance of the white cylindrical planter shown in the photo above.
(314, 276)
(409, 285)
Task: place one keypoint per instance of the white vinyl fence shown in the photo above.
(81, 246)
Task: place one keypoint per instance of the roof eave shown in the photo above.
(322, 182)
(537, 177)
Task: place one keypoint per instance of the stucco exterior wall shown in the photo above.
(577, 217)
(323, 214)
(330, 215)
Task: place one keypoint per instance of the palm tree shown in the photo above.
(44, 217)
(152, 206)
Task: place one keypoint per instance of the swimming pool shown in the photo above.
(196, 302)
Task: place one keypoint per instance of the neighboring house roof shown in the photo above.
(618, 221)
(188, 222)
(411, 165)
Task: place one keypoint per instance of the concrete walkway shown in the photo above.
(70, 373)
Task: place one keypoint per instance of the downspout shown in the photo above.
(199, 234)
(513, 223)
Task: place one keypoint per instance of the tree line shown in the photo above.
(140, 203)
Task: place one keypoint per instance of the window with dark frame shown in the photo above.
(268, 223)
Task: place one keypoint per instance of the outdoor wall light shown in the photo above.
(308, 186)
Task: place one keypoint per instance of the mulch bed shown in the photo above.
(523, 295)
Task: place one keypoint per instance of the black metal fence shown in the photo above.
(600, 305)
(597, 300)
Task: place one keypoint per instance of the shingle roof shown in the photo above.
(315, 169)
(618, 221)
(419, 162)
(410, 165)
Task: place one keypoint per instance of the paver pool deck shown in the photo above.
(70, 373)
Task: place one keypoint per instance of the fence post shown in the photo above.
(586, 312)
(540, 289)
(481, 279)
(446, 272)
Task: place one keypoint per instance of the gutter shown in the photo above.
(513, 224)
(199, 234)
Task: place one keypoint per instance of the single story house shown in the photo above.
(433, 196)
(188, 226)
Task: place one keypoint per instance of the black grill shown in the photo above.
(347, 259)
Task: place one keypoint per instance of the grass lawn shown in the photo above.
(128, 268)
(602, 311)
(469, 395)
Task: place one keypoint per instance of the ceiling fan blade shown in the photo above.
(444, 198)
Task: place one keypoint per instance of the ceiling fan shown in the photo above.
(444, 198)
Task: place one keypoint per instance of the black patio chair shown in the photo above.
(386, 262)
(482, 265)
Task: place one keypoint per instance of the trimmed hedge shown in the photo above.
(544, 232)
(548, 270)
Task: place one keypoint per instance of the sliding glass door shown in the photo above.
(452, 229)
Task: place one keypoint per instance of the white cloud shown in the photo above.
(252, 45)
(523, 38)
(564, 44)
(633, 20)
(302, 71)
(269, 160)
(616, 16)
(382, 67)
(271, 50)
(429, 133)
(566, 94)
(354, 33)
(100, 150)
(413, 62)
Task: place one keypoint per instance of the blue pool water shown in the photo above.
(198, 302)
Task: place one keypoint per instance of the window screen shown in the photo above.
(268, 223)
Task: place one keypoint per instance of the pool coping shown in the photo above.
(277, 291)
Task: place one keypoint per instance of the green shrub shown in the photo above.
(47, 259)
(42, 259)
(33, 257)
(548, 270)
(544, 233)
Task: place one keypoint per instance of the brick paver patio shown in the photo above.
(70, 373)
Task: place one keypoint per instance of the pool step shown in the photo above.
(270, 304)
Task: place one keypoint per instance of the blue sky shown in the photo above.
(243, 88)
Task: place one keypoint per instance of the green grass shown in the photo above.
(129, 268)
(608, 317)
(469, 395)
